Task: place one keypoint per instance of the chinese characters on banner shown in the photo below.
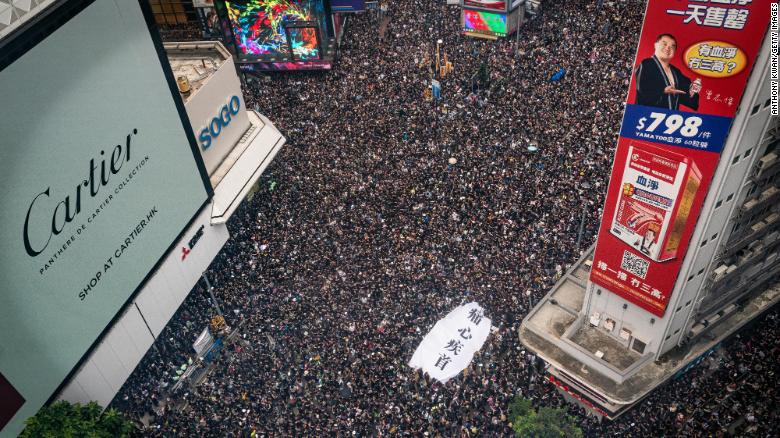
(450, 345)
(690, 71)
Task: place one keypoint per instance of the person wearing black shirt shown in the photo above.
(662, 85)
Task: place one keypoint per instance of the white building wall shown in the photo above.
(727, 193)
(205, 105)
(110, 364)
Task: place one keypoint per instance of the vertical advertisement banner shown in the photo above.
(100, 175)
(693, 61)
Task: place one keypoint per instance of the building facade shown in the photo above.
(236, 144)
(606, 351)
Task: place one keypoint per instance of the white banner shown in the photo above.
(203, 343)
(450, 345)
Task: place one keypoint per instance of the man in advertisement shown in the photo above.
(662, 85)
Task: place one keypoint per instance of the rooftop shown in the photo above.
(555, 331)
(196, 61)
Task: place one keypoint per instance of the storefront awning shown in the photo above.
(243, 166)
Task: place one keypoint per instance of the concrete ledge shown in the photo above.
(545, 328)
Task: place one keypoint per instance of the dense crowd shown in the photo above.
(385, 210)
(180, 31)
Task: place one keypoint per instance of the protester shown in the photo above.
(384, 211)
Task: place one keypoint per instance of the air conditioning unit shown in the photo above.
(772, 218)
(765, 162)
(719, 272)
(758, 227)
(768, 192)
(749, 204)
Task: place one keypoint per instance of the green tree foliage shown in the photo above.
(63, 419)
(520, 407)
(544, 423)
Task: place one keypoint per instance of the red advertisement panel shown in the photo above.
(653, 200)
(692, 64)
(713, 41)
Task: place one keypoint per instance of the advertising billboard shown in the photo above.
(493, 5)
(690, 71)
(305, 41)
(348, 5)
(259, 27)
(487, 23)
(100, 175)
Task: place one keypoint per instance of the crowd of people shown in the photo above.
(385, 210)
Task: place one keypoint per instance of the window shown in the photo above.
(729, 197)
(690, 277)
(755, 109)
(734, 161)
(667, 337)
(768, 101)
(168, 12)
(639, 346)
(714, 236)
(678, 309)
(747, 153)
(688, 303)
(701, 271)
(704, 242)
(718, 204)
(677, 331)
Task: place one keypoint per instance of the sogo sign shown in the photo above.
(221, 120)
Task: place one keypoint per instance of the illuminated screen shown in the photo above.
(304, 43)
(259, 26)
(484, 22)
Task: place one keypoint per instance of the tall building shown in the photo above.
(687, 252)
(122, 159)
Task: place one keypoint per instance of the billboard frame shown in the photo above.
(303, 25)
(639, 276)
(505, 10)
(325, 35)
(39, 28)
(494, 35)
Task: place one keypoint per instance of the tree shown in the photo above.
(63, 419)
(544, 423)
(520, 407)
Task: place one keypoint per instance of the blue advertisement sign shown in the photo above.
(348, 5)
(675, 128)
